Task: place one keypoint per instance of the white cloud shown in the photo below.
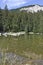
(15, 3)
(3, 1)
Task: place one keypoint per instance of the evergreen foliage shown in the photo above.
(15, 21)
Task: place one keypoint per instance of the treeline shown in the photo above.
(15, 21)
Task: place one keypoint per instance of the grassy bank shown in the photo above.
(22, 44)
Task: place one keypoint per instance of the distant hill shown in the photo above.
(32, 8)
(27, 18)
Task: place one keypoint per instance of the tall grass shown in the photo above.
(26, 43)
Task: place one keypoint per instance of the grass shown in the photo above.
(21, 44)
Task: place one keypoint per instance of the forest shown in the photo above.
(16, 21)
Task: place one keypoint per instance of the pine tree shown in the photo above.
(1, 24)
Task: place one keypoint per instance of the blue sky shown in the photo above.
(19, 3)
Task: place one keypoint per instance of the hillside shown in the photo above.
(19, 20)
(34, 8)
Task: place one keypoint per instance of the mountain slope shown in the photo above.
(32, 9)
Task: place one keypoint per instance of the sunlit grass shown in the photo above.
(21, 44)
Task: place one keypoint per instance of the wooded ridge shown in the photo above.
(17, 21)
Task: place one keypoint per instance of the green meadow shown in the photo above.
(22, 44)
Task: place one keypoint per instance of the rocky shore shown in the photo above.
(13, 59)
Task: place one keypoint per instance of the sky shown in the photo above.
(13, 4)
